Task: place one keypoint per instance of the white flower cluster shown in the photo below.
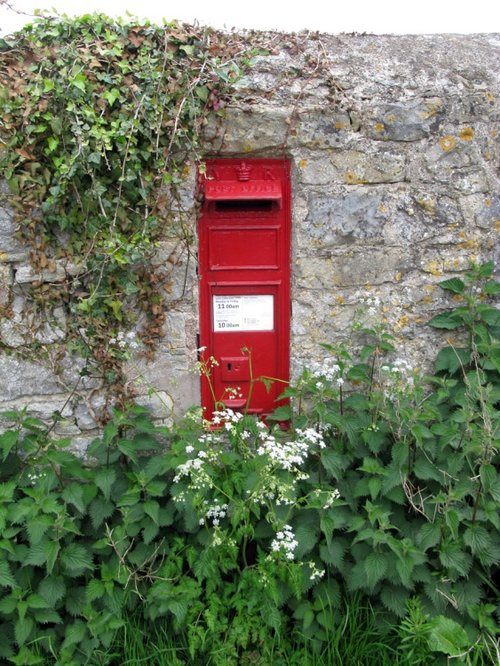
(35, 476)
(285, 542)
(312, 437)
(315, 572)
(399, 376)
(328, 369)
(125, 340)
(215, 513)
(290, 455)
(287, 455)
(233, 392)
(194, 467)
(332, 496)
(373, 304)
(228, 418)
(400, 369)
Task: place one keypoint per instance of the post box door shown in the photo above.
(244, 272)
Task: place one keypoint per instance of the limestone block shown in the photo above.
(373, 265)
(170, 374)
(5, 282)
(488, 215)
(25, 273)
(159, 403)
(370, 166)
(249, 130)
(20, 377)
(321, 128)
(357, 215)
(10, 248)
(409, 121)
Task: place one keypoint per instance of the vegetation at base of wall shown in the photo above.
(100, 119)
(239, 538)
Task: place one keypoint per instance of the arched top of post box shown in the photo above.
(251, 190)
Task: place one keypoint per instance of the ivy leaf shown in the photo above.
(79, 81)
(111, 95)
(202, 92)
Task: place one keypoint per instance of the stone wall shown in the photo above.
(393, 142)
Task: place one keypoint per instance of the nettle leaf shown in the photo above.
(73, 494)
(104, 479)
(100, 509)
(75, 558)
(52, 551)
(150, 531)
(453, 557)
(37, 527)
(74, 634)
(95, 590)
(454, 284)
(22, 630)
(152, 509)
(425, 469)
(48, 616)
(448, 320)
(52, 589)
(129, 449)
(429, 535)
(333, 553)
(75, 601)
(451, 359)
(488, 476)
(477, 538)
(491, 287)
(307, 536)
(395, 599)
(37, 555)
(6, 577)
(375, 568)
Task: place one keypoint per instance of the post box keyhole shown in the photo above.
(229, 366)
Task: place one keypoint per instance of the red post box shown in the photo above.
(244, 273)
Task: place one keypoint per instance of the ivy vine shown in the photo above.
(100, 118)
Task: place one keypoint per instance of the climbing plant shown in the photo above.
(99, 119)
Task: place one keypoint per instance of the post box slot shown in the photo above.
(244, 205)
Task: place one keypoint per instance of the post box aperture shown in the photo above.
(244, 273)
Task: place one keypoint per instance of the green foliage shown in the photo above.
(240, 538)
(100, 119)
